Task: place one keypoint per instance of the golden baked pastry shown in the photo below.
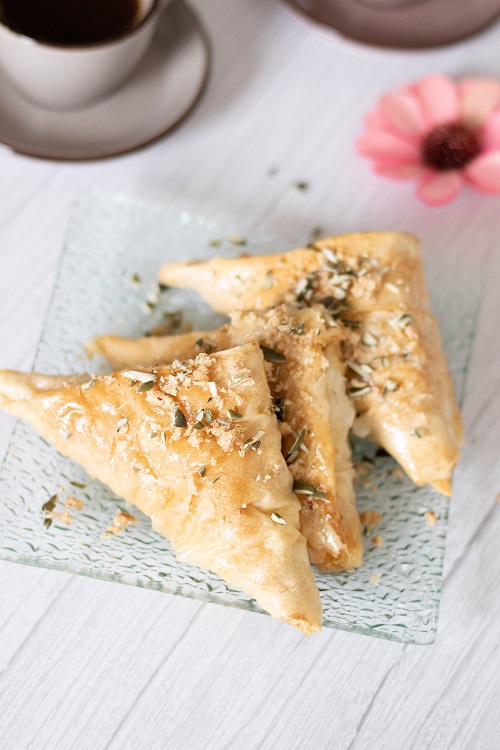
(418, 422)
(306, 377)
(169, 441)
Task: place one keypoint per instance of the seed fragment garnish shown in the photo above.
(202, 471)
(363, 370)
(65, 434)
(47, 523)
(368, 339)
(358, 392)
(384, 362)
(179, 418)
(390, 386)
(88, 385)
(207, 346)
(139, 376)
(198, 426)
(234, 414)
(279, 408)
(270, 355)
(208, 416)
(418, 432)
(329, 255)
(278, 519)
(146, 386)
(237, 379)
(121, 423)
(253, 442)
(302, 185)
(49, 505)
(136, 279)
(307, 488)
(80, 485)
(298, 442)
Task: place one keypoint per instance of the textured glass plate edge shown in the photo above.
(198, 594)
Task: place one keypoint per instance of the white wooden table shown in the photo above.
(87, 664)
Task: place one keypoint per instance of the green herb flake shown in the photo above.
(234, 414)
(302, 185)
(208, 416)
(198, 426)
(88, 385)
(207, 346)
(253, 442)
(270, 355)
(49, 506)
(278, 519)
(279, 409)
(80, 485)
(47, 523)
(368, 339)
(136, 279)
(179, 418)
(237, 379)
(215, 243)
(307, 488)
(418, 432)
(202, 471)
(297, 442)
(146, 386)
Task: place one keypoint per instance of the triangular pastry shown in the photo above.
(197, 448)
(306, 377)
(355, 275)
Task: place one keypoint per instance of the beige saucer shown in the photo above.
(154, 100)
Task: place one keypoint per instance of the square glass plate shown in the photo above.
(110, 239)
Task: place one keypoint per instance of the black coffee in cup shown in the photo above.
(70, 22)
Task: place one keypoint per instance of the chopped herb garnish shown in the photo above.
(350, 323)
(234, 414)
(163, 287)
(306, 488)
(357, 392)
(279, 408)
(270, 355)
(237, 379)
(278, 519)
(47, 523)
(208, 416)
(316, 233)
(146, 386)
(49, 506)
(368, 339)
(202, 471)
(384, 362)
(121, 423)
(65, 434)
(179, 418)
(301, 185)
(216, 479)
(80, 485)
(198, 426)
(297, 442)
(88, 385)
(418, 432)
(139, 376)
(237, 239)
(253, 442)
(136, 279)
(207, 346)
(390, 386)
(404, 321)
(215, 243)
(364, 371)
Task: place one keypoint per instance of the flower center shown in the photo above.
(450, 146)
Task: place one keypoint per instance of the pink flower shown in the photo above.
(442, 134)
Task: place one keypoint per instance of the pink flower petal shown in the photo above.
(491, 131)
(374, 123)
(439, 99)
(484, 172)
(400, 171)
(402, 110)
(387, 145)
(478, 98)
(438, 188)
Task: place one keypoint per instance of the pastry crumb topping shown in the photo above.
(369, 519)
(430, 518)
(122, 520)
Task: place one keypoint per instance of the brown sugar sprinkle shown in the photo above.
(73, 502)
(430, 518)
(121, 521)
(369, 519)
(378, 541)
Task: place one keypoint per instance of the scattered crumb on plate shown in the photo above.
(430, 517)
(378, 541)
(121, 521)
(375, 578)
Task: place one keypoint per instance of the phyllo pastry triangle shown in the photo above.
(374, 285)
(306, 377)
(195, 446)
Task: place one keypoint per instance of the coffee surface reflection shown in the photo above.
(70, 22)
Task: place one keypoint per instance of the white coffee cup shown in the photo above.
(68, 77)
